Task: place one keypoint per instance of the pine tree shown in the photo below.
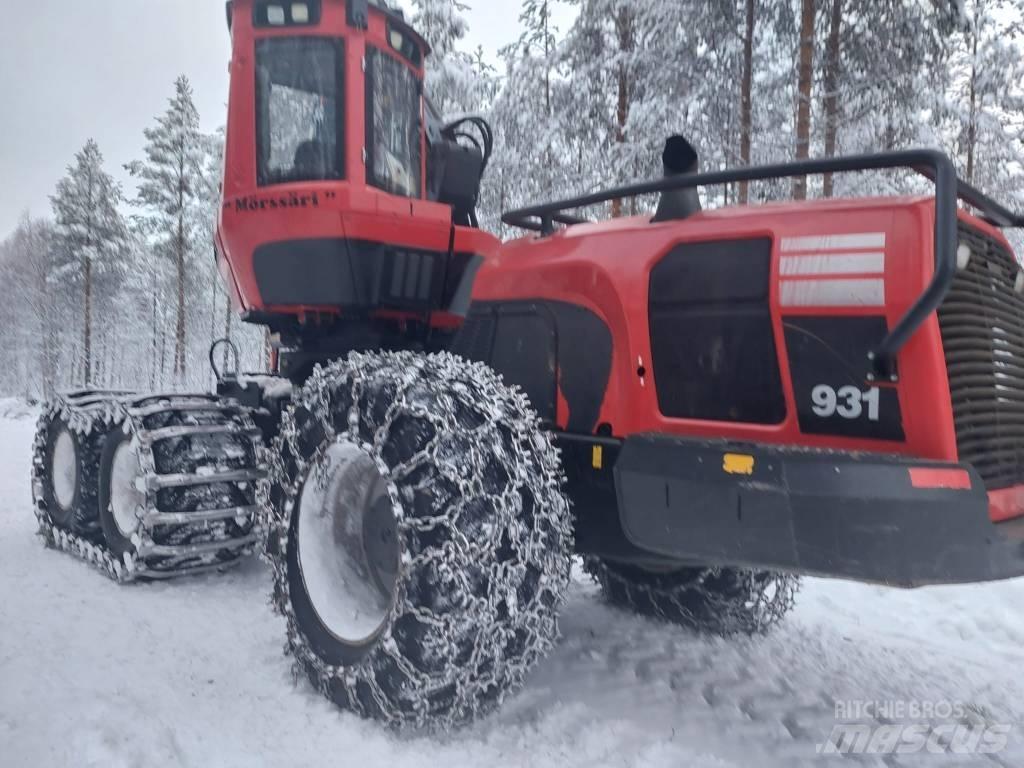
(746, 94)
(986, 100)
(28, 322)
(831, 84)
(539, 38)
(171, 183)
(526, 118)
(90, 231)
(805, 75)
(451, 81)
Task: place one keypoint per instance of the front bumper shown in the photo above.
(857, 516)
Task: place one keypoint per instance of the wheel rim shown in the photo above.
(125, 499)
(65, 470)
(347, 542)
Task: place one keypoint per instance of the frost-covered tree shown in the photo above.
(29, 322)
(90, 234)
(805, 79)
(171, 182)
(746, 92)
(985, 105)
(644, 70)
(525, 114)
(452, 82)
(539, 39)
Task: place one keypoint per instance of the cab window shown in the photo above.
(394, 162)
(300, 110)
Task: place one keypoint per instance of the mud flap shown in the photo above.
(854, 516)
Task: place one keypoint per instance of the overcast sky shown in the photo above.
(71, 70)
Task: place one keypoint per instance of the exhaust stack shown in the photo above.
(678, 158)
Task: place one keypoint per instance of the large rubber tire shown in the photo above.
(117, 543)
(78, 513)
(723, 601)
(483, 535)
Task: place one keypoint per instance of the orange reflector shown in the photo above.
(953, 479)
(738, 464)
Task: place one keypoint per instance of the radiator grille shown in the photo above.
(982, 322)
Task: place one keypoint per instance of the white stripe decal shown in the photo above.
(834, 242)
(834, 264)
(833, 293)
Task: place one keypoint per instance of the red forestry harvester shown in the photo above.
(696, 402)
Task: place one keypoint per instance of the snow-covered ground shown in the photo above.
(193, 674)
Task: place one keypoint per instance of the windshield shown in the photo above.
(393, 125)
(299, 109)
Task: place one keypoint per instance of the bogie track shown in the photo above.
(169, 483)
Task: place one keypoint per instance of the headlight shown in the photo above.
(963, 256)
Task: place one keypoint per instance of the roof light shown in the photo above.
(300, 13)
(275, 15)
(963, 256)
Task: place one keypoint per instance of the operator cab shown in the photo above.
(343, 192)
(301, 111)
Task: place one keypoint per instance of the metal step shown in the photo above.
(169, 433)
(157, 482)
(190, 518)
(196, 550)
(164, 407)
(194, 570)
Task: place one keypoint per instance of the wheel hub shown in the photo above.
(126, 501)
(65, 470)
(347, 540)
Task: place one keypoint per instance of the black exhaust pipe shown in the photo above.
(679, 158)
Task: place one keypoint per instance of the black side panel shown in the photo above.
(584, 363)
(511, 337)
(589, 463)
(524, 353)
(359, 274)
(826, 361)
(475, 339)
(711, 333)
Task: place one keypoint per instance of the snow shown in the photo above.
(193, 673)
(274, 387)
(17, 408)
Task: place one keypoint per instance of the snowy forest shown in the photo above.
(122, 291)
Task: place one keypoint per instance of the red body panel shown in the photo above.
(606, 268)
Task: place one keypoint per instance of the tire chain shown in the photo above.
(94, 415)
(483, 390)
(88, 415)
(766, 598)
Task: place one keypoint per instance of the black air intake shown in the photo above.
(678, 158)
